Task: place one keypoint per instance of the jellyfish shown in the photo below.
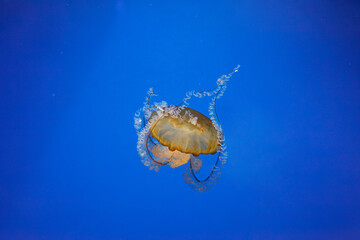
(175, 135)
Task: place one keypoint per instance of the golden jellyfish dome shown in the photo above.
(188, 131)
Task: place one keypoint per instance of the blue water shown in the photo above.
(73, 73)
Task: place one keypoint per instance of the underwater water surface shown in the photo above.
(73, 74)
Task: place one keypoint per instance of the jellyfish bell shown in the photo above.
(176, 135)
(188, 132)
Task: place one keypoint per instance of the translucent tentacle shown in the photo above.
(189, 175)
(205, 184)
(144, 132)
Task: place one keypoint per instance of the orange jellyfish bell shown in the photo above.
(190, 132)
(176, 135)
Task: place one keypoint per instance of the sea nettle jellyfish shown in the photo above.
(176, 134)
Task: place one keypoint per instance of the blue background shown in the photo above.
(73, 73)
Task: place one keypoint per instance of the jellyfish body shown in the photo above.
(191, 132)
(176, 135)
